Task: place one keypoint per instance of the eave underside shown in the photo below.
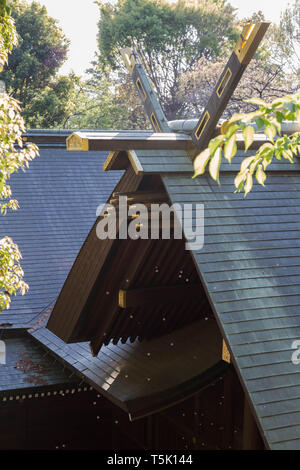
(145, 377)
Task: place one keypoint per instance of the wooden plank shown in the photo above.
(156, 296)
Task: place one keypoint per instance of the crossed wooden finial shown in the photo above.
(244, 50)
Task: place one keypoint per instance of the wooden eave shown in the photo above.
(146, 377)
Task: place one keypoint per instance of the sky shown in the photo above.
(78, 20)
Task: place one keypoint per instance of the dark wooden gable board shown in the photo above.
(72, 301)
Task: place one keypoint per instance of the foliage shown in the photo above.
(11, 273)
(170, 39)
(8, 34)
(52, 106)
(106, 103)
(285, 39)
(267, 117)
(42, 49)
(13, 156)
(133, 115)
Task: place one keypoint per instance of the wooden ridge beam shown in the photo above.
(156, 296)
(121, 141)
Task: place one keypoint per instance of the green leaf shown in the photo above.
(214, 165)
(253, 165)
(239, 180)
(259, 122)
(231, 130)
(270, 131)
(215, 143)
(257, 101)
(230, 148)
(289, 115)
(201, 161)
(279, 116)
(266, 150)
(277, 125)
(247, 117)
(260, 175)
(248, 184)
(248, 134)
(266, 161)
(246, 162)
(290, 107)
(288, 155)
(225, 127)
(283, 99)
(237, 117)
